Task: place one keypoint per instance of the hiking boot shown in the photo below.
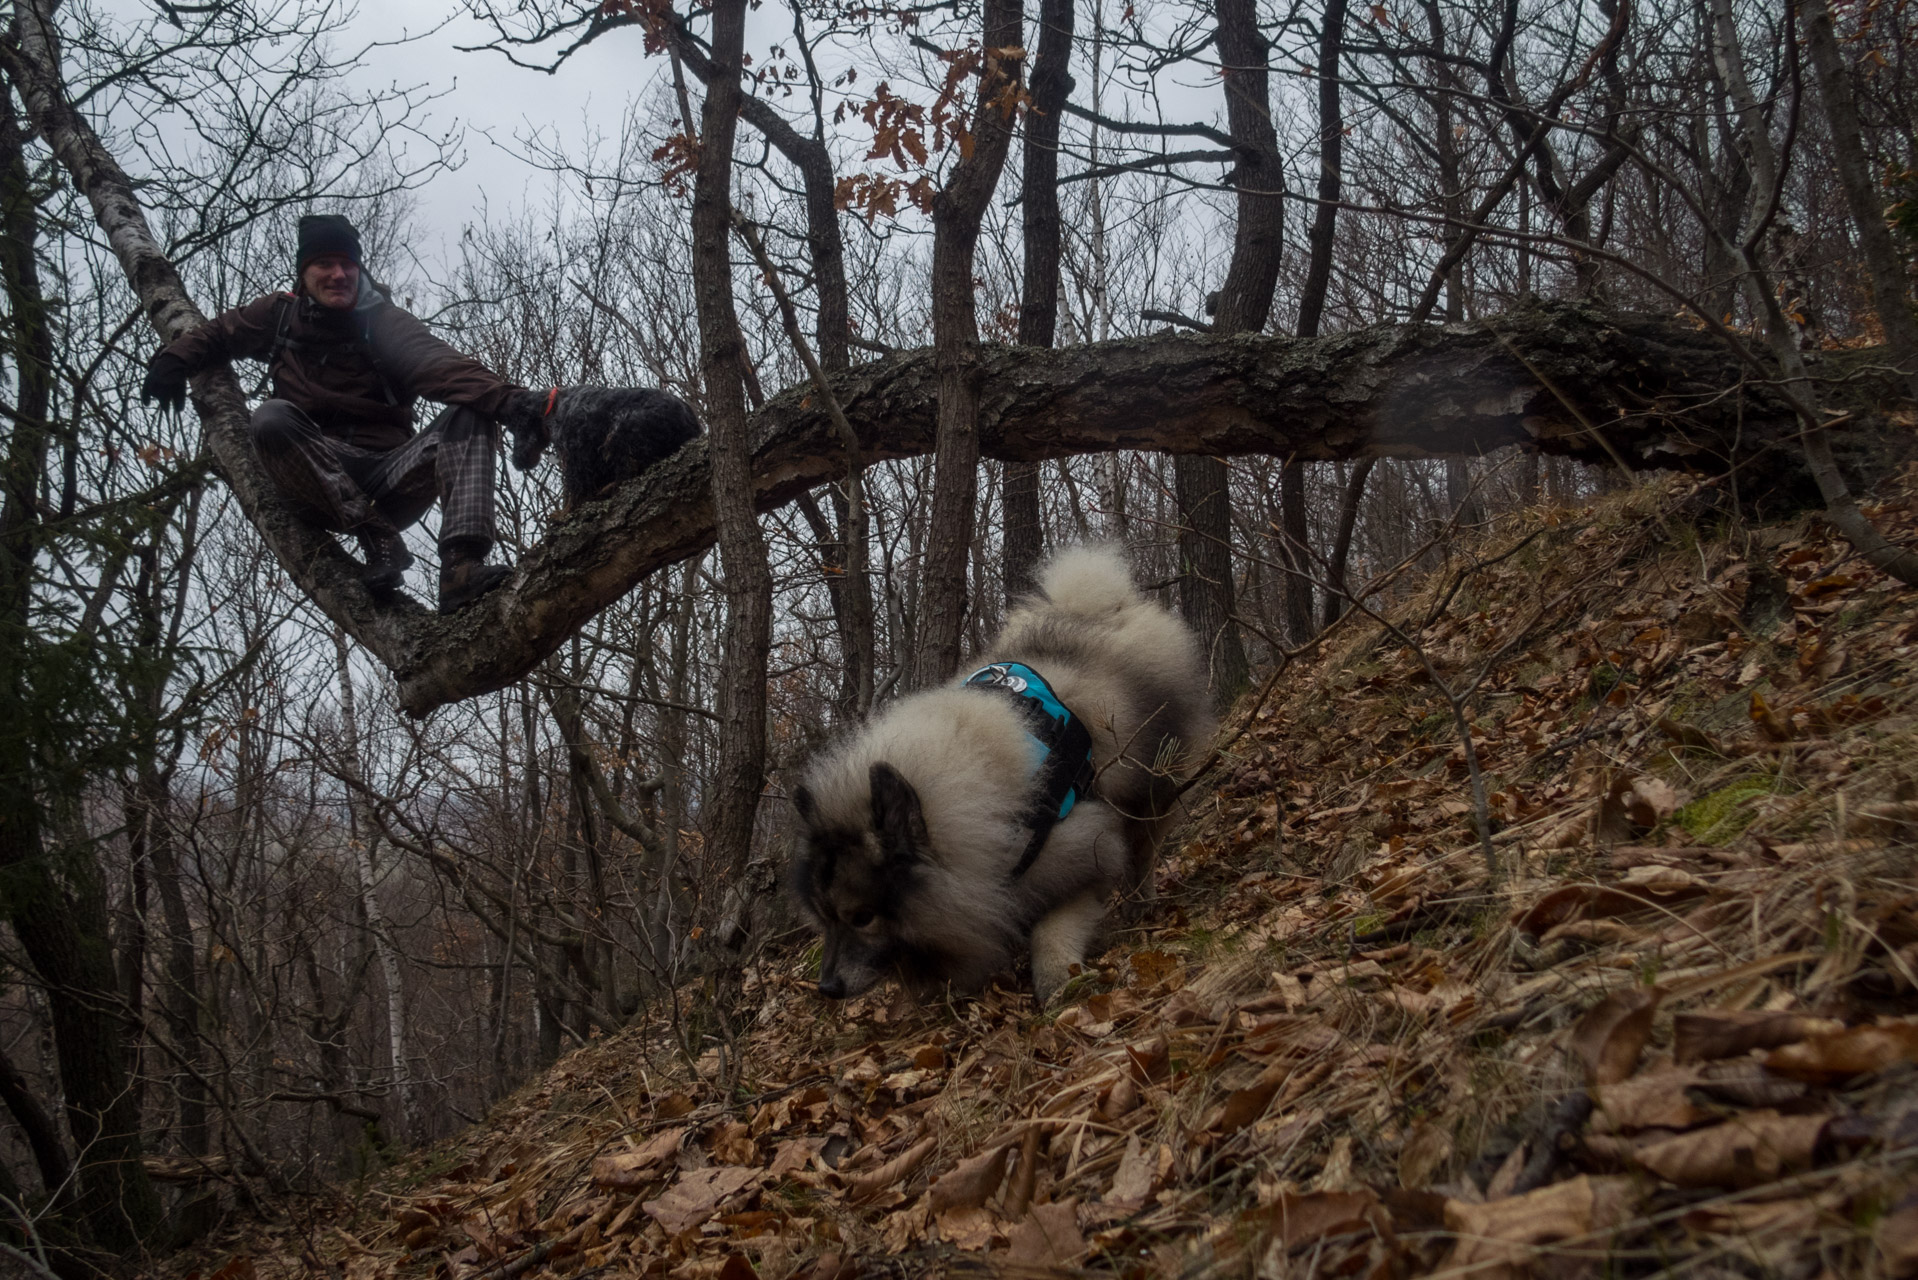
(465, 577)
(387, 561)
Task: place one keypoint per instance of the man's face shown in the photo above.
(332, 280)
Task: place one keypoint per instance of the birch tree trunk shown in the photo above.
(363, 841)
(56, 895)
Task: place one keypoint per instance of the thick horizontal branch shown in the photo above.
(1664, 393)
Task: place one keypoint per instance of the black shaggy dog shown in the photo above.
(603, 436)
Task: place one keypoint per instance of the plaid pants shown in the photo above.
(342, 487)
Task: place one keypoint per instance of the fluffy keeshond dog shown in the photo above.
(603, 436)
(967, 822)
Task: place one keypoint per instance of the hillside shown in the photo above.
(1672, 1029)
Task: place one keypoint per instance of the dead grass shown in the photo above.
(1335, 1048)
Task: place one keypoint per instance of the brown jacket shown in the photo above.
(357, 373)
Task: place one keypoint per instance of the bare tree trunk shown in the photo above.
(843, 554)
(59, 920)
(731, 809)
(1335, 600)
(1039, 306)
(38, 1128)
(1840, 507)
(1206, 588)
(664, 918)
(1318, 274)
(1298, 552)
(1890, 292)
(364, 843)
(956, 213)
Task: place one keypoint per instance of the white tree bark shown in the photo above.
(364, 841)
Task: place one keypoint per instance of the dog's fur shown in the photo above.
(911, 829)
(603, 436)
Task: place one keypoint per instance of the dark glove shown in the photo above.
(165, 382)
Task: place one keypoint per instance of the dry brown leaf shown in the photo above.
(1611, 1035)
(1508, 1232)
(1141, 1172)
(1427, 1146)
(1049, 1237)
(1592, 901)
(673, 1106)
(1119, 1099)
(1652, 800)
(1769, 1233)
(892, 1172)
(1744, 1082)
(1149, 968)
(1187, 1008)
(1889, 818)
(1728, 1033)
(1568, 834)
(971, 1182)
(794, 1154)
(1839, 1055)
(1337, 1173)
(1686, 735)
(1286, 994)
(1656, 1100)
(1597, 933)
(1296, 1219)
(1506, 1176)
(697, 1196)
(969, 1228)
(1896, 1236)
(1243, 1106)
(1743, 1151)
(1149, 1060)
(903, 1230)
(1774, 726)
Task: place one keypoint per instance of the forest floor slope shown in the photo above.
(1675, 1032)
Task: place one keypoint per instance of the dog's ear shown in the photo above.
(524, 417)
(804, 805)
(896, 816)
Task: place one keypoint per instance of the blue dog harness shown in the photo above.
(1061, 749)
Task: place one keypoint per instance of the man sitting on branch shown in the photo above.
(337, 437)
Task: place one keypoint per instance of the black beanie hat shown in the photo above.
(324, 233)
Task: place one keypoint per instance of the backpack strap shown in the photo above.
(283, 339)
(282, 321)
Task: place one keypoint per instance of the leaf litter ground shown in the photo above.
(1673, 1034)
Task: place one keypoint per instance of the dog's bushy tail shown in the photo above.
(1091, 582)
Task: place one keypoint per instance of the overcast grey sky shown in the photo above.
(496, 101)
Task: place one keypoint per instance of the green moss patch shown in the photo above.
(1722, 815)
